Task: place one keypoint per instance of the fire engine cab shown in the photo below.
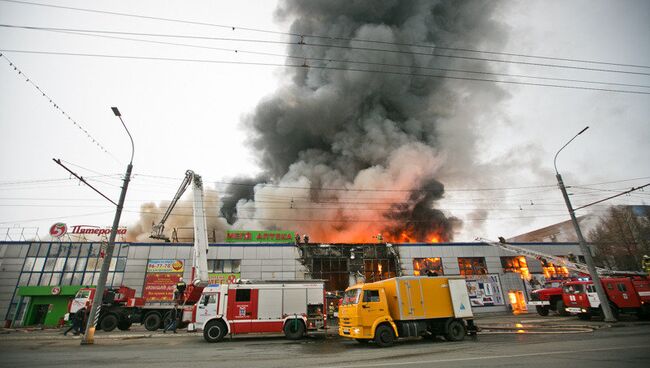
(625, 295)
(291, 307)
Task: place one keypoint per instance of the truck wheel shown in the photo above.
(214, 331)
(584, 316)
(294, 329)
(108, 323)
(542, 311)
(560, 308)
(124, 325)
(384, 336)
(455, 330)
(152, 321)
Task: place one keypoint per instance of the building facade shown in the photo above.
(38, 279)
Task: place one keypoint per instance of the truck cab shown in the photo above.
(364, 308)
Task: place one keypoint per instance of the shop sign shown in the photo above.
(59, 229)
(253, 236)
(55, 290)
(160, 286)
(165, 266)
(223, 278)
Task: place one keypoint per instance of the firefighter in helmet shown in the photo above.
(180, 289)
(380, 238)
(645, 264)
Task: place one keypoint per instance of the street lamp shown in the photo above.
(604, 303)
(89, 335)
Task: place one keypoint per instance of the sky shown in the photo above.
(185, 114)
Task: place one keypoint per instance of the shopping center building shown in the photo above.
(38, 279)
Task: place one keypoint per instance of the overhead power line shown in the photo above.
(302, 36)
(209, 61)
(56, 106)
(93, 33)
(345, 47)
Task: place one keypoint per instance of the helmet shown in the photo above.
(646, 256)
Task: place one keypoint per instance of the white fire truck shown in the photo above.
(293, 307)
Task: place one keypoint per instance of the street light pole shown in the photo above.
(89, 335)
(604, 302)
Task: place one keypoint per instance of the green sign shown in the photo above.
(252, 236)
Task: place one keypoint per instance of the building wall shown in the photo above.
(258, 261)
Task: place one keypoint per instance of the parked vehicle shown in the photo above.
(293, 307)
(406, 306)
(120, 308)
(549, 299)
(625, 294)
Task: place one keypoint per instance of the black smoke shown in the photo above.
(355, 118)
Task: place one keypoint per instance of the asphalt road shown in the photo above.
(624, 346)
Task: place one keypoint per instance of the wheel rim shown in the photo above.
(385, 337)
(212, 330)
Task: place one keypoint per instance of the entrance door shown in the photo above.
(242, 309)
(40, 312)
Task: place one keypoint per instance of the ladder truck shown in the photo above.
(550, 298)
(120, 307)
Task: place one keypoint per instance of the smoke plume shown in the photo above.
(352, 145)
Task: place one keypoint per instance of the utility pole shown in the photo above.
(586, 252)
(89, 335)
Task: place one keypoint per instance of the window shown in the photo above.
(56, 278)
(42, 252)
(351, 296)
(38, 264)
(121, 264)
(49, 264)
(58, 265)
(621, 288)
(516, 264)
(591, 288)
(472, 266)
(224, 265)
(81, 264)
(33, 250)
(370, 296)
(54, 250)
(69, 266)
(422, 266)
(29, 264)
(243, 295)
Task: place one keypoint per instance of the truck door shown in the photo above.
(373, 306)
(623, 294)
(208, 307)
(242, 309)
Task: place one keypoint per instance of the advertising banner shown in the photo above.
(223, 278)
(165, 266)
(253, 236)
(162, 276)
(484, 290)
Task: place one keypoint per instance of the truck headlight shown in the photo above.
(356, 331)
(584, 310)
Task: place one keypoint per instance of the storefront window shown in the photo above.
(38, 264)
(56, 278)
(85, 248)
(74, 250)
(67, 278)
(49, 264)
(29, 264)
(472, 266)
(33, 280)
(88, 278)
(54, 250)
(120, 266)
(432, 265)
(45, 279)
(42, 252)
(69, 265)
(58, 266)
(516, 264)
(77, 278)
(81, 264)
(236, 266)
(24, 279)
(33, 250)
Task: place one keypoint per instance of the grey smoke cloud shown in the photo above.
(361, 131)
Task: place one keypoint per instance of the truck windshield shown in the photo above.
(574, 289)
(82, 294)
(351, 297)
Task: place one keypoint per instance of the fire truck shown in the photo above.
(293, 307)
(625, 294)
(552, 297)
(120, 308)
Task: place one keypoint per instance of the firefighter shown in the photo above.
(645, 264)
(306, 238)
(180, 289)
(572, 258)
(297, 239)
(380, 239)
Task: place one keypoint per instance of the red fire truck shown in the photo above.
(291, 307)
(120, 307)
(548, 299)
(625, 294)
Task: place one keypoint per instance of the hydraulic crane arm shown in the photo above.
(157, 230)
(200, 258)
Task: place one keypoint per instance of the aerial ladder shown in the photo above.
(200, 258)
(558, 261)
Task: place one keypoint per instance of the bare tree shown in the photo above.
(622, 237)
